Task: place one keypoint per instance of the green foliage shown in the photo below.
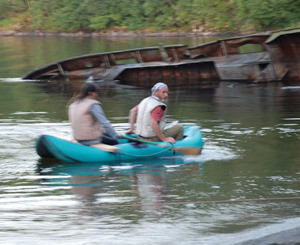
(101, 15)
(11, 8)
(4, 9)
(270, 14)
(69, 16)
(161, 13)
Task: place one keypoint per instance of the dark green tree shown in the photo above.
(269, 14)
(105, 15)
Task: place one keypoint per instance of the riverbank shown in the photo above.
(286, 237)
(116, 34)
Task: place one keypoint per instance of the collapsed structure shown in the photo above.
(276, 57)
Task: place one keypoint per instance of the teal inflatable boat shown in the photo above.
(130, 148)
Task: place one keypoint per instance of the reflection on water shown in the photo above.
(143, 183)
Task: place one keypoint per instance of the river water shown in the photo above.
(244, 185)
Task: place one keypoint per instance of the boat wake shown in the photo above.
(214, 153)
(290, 88)
(16, 80)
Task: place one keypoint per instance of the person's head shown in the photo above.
(88, 90)
(160, 90)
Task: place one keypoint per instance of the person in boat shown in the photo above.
(88, 121)
(150, 117)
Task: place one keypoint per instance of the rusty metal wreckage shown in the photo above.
(278, 59)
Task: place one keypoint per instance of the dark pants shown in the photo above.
(106, 139)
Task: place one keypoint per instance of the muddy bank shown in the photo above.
(288, 237)
(115, 34)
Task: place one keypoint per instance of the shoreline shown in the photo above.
(120, 34)
(285, 237)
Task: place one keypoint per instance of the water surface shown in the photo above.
(243, 186)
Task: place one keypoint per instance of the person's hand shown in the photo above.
(170, 140)
(129, 131)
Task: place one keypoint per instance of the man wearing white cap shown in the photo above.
(150, 117)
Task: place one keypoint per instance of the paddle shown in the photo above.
(186, 150)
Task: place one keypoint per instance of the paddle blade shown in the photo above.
(189, 150)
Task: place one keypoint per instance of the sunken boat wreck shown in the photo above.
(277, 58)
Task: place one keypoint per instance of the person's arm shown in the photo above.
(98, 114)
(159, 134)
(156, 116)
(132, 118)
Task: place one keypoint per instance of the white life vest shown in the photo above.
(143, 122)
